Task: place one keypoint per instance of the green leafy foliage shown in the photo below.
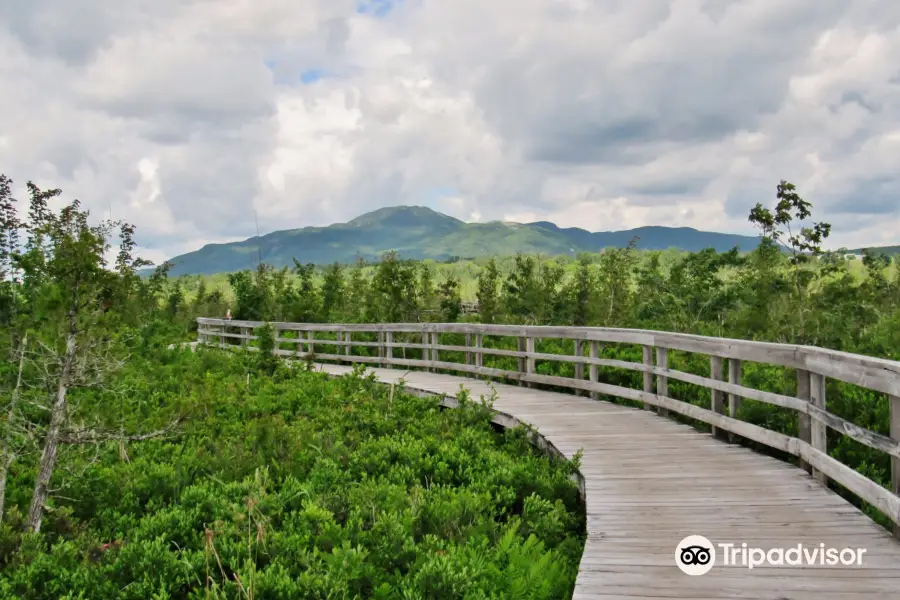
(287, 484)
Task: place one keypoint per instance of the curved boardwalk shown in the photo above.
(651, 481)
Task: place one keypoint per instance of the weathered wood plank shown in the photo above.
(894, 403)
(662, 381)
(593, 373)
(734, 399)
(804, 425)
(718, 398)
(648, 376)
(579, 366)
(530, 363)
(818, 430)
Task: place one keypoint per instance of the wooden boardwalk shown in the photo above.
(651, 481)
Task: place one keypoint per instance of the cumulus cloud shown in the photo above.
(191, 119)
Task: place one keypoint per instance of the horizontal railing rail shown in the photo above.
(812, 365)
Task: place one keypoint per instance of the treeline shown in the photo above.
(787, 290)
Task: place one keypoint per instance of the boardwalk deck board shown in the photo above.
(650, 482)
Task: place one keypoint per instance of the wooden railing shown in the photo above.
(812, 366)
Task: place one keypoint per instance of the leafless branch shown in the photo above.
(89, 435)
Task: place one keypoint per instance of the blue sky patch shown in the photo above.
(290, 77)
(311, 76)
(376, 8)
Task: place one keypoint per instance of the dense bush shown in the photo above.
(293, 485)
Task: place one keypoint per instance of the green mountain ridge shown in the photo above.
(419, 232)
(889, 250)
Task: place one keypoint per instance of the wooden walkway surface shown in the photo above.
(650, 482)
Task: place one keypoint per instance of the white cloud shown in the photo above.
(187, 117)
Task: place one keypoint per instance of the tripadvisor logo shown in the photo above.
(696, 555)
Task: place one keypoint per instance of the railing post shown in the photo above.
(734, 401)
(662, 382)
(479, 356)
(222, 336)
(468, 345)
(275, 335)
(245, 331)
(348, 348)
(895, 462)
(435, 353)
(529, 361)
(426, 353)
(388, 348)
(594, 371)
(718, 396)
(648, 376)
(380, 337)
(579, 366)
(310, 348)
(818, 429)
(804, 423)
(520, 346)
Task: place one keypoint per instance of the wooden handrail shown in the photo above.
(813, 365)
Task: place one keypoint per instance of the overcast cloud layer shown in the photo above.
(183, 116)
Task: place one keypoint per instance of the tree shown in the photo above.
(253, 293)
(450, 300)
(66, 288)
(394, 289)
(65, 263)
(9, 245)
(488, 295)
(581, 292)
(802, 246)
(552, 303)
(306, 306)
(357, 306)
(425, 289)
(333, 291)
(615, 274)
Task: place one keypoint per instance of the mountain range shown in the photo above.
(419, 232)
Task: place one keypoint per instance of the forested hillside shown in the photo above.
(420, 233)
(128, 470)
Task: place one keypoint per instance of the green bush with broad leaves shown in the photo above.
(284, 483)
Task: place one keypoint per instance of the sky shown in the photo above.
(186, 117)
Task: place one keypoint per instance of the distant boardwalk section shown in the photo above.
(768, 529)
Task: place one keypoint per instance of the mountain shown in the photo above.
(419, 232)
(889, 250)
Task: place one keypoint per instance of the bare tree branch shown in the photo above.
(94, 436)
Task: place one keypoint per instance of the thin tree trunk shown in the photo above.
(7, 452)
(48, 456)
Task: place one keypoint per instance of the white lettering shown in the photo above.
(726, 548)
(757, 557)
